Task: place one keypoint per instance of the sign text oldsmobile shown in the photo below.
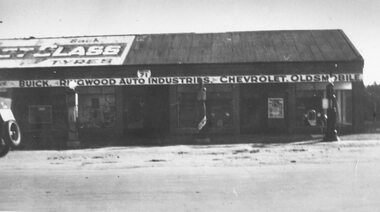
(183, 80)
(74, 51)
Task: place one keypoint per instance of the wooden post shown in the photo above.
(236, 109)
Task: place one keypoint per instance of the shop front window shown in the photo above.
(218, 107)
(97, 110)
(344, 104)
(309, 108)
(220, 110)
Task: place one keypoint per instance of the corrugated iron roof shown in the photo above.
(242, 47)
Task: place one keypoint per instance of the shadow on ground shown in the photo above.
(257, 140)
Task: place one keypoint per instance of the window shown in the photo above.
(344, 104)
(97, 108)
(188, 110)
(309, 110)
(135, 107)
(218, 106)
(220, 109)
(5, 99)
(40, 114)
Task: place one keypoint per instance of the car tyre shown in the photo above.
(12, 134)
(4, 148)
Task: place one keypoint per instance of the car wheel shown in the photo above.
(11, 134)
(4, 149)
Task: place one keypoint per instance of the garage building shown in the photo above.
(125, 87)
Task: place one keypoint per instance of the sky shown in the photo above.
(359, 19)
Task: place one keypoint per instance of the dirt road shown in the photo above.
(304, 176)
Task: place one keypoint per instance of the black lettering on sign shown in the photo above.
(80, 82)
(231, 79)
(223, 79)
(153, 80)
(254, 79)
(122, 81)
(325, 77)
(342, 77)
(294, 78)
(34, 83)
(141, 81)
(88, 82)
(63, 83)
(263, 79)
(357, 77)
(246, 79)
(96, 82)
(106, 61)
(112, 82)
(188, 80)
(270, 78)
(175, 80)
(128, 81)
(92, 61)
(80, 61)
(275, 79)
(206, 80)
(239, 79)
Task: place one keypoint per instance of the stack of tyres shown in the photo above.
(10, 135)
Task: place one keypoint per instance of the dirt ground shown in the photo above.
(300, 176)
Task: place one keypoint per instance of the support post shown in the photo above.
(72, 112)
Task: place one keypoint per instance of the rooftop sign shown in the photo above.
(60, 52)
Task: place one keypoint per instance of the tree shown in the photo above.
(372, 100)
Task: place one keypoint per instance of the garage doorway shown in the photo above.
(146, 111)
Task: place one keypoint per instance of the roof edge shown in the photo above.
(353, 48)
(171, 33)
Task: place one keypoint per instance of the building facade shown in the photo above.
(146, 86)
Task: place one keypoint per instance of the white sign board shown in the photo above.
(70, 51)
(184, 80)
(275, 108)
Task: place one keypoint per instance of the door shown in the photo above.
(253, 115)
(146, 110)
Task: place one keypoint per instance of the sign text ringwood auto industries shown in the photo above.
(183, 80)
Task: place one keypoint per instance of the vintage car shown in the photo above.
(10, 136)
